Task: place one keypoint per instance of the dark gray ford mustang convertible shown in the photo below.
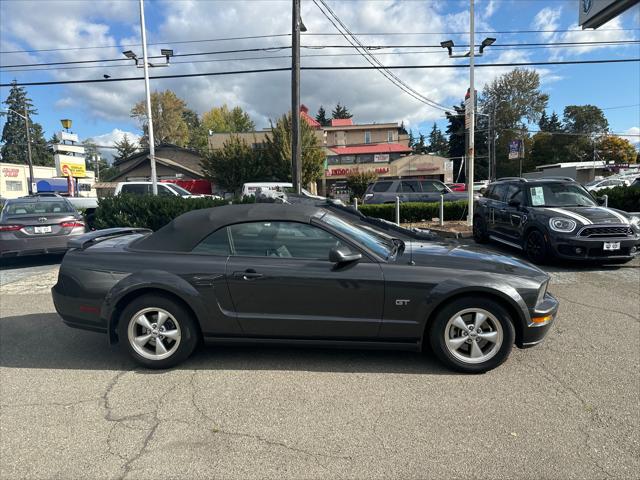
(298, 274)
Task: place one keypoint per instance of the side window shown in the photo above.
(381, 186)
(281, 239)
(431, 186)
(164, 191)
(134, 188)
(514, 192)
(410, 186)
(215, 244)
(498, 191)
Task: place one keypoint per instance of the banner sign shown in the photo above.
(67, 165)
(516, 149)
(381, 157)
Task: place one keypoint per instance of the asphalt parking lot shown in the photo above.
(71, 407)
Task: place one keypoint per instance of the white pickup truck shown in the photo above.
(164, 189)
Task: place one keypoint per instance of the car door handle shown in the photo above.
(247, 275)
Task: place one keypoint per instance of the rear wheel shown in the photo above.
(472, 335)
(157, 332)
(480, 234)
(535, 247)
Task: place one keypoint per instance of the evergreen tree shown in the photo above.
(412, 139)
(198, 138)
(402, 130)
(14, 133)
(543, 124)
(124, 148)
(233, 165)
(554, 125)
(437, 142)
(341, 112)
(321, 117)
(421, 145)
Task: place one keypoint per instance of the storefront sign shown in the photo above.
(381, 157)
(11, 172)
(67, 165)
(340, 172)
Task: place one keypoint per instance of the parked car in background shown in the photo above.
(38, 225)
(597, 185)
(480, 186)
(548, 218)
(164, 189)
(457, 187)
(386, 191)
(298, 274)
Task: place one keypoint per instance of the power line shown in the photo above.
(335, 67)
(321, 47)
(237, 59)
(311, 34)
(372, 60)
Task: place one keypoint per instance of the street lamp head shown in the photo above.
(303, 27)
(130, 54)
(486, 42)
(448, 44)
(66, 123)
(167, 52)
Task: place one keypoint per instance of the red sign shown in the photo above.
(10, 172)
(346, 171)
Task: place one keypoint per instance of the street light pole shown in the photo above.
(152, 147)
(472, 126)
(26, 122)
(296, 146)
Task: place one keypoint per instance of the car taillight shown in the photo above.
(71, 224)
(10, 228)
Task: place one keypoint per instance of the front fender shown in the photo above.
(158, 280)
(448, 289)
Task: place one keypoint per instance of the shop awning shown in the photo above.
(52, 185)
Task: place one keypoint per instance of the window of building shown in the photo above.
(348, 159)
(215, 244)
(365, 158)
(390, 137)
(333, 160)
(13, 185)
(282, 239)
(367, 137)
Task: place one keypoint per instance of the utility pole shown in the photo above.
(26, 122)
(152, 147)
(296, 146)
(472, 92)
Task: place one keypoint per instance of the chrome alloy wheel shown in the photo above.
(154, 333)
(473, 335)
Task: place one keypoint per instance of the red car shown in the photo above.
(457, 187)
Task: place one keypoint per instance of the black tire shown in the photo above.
(496, 353)
(180, 319)
(480, 234)
(535, 247)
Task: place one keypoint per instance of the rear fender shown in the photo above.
(157, 280)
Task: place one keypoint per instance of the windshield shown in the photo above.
(34, 207)
(592, 183)
(179, 190)
(372, 241)
(559, 195)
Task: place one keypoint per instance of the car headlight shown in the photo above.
(561, 224)
(635, 222)
(542, 293)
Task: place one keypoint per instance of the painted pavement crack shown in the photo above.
(599, 308)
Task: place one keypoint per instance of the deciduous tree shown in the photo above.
(223, 120)
(169, 125)
(616, 149)
(233, 165)
(358, 181)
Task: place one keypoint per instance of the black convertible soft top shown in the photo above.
(185, 232)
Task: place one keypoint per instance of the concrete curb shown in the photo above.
(447, 234)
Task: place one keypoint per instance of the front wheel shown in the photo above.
(157, 332)
(472, 335)
(535, 247)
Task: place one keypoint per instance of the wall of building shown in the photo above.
(14, 180)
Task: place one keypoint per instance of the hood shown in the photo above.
(590, 215)
(466, 257)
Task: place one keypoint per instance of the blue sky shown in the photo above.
(101, 110)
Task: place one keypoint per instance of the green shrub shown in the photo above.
(622, 198)
(146, 210)
(416, 212)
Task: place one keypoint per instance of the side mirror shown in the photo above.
(601, 201)
(514, 203)
(342, 255)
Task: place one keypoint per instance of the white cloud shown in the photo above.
(109, 139)
(633, 135)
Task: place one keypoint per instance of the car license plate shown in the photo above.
(609, 246)
(46, 229)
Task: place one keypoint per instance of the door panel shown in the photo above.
(291, 297)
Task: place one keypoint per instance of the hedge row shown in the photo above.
(417, 211)
(154, 212)
(623, 198)
(146, 210)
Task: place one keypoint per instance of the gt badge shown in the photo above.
(402, 303)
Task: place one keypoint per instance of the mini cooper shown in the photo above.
(548, 218)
